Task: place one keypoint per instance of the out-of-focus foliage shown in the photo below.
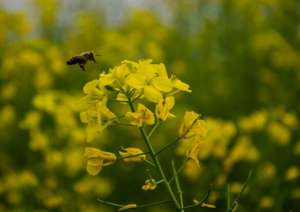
(241, 58)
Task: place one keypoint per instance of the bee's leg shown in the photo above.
(82, 67)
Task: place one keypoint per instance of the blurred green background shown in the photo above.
(241, 58)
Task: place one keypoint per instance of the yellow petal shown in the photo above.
(188, 120)
(152, 94)
(162, 84)
(163, 108)
(105, 79)
(146, 114)
(128, 154)
(178, 84)
(193, 153)
(91, 132)
(136, 81)
(94, 166)
(92, 88)
(142, 116)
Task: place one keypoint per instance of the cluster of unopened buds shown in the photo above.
(148, 91)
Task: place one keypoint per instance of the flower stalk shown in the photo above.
(156, 161)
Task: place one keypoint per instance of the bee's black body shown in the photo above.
(82, 59)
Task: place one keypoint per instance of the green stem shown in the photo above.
(177, 139)
(156, 160)
(205, 197)
(167, 146)
(178, 187)
(177, 172)
(159, 167)
(153, 129)
(153, 204)
(149, 162)
(104, 202)
(237, 199)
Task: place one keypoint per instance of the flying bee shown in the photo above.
(82, 59)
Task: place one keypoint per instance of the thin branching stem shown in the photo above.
(177, 139)
(167, 146)
(155, 159)
(154, 204)
(117, 205)
(179, 170)
(178, 187)
(104, 202)
(204, 199)
(149, 162)
(234, 204)
(153, 129)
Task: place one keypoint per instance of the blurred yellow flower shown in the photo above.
(280, 133)
(266, 202)
(192, 170)
(292, 173)
(88, 186)
(30, 57)
(31, 121)
(53, 201)
(243, 150)
(290, 120)
(255, 121)
(267, 171)
(39, 141)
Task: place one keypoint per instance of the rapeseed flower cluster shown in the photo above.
(148, 91)
(140, 80)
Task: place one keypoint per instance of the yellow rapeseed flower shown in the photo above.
(193, 152)
(128, 154)
(163, 108)
(149, 184)
(97, 158)
(142, 116)
(178, 84)
(192, 126)
(97, 117)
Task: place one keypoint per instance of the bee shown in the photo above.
(82, 59)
